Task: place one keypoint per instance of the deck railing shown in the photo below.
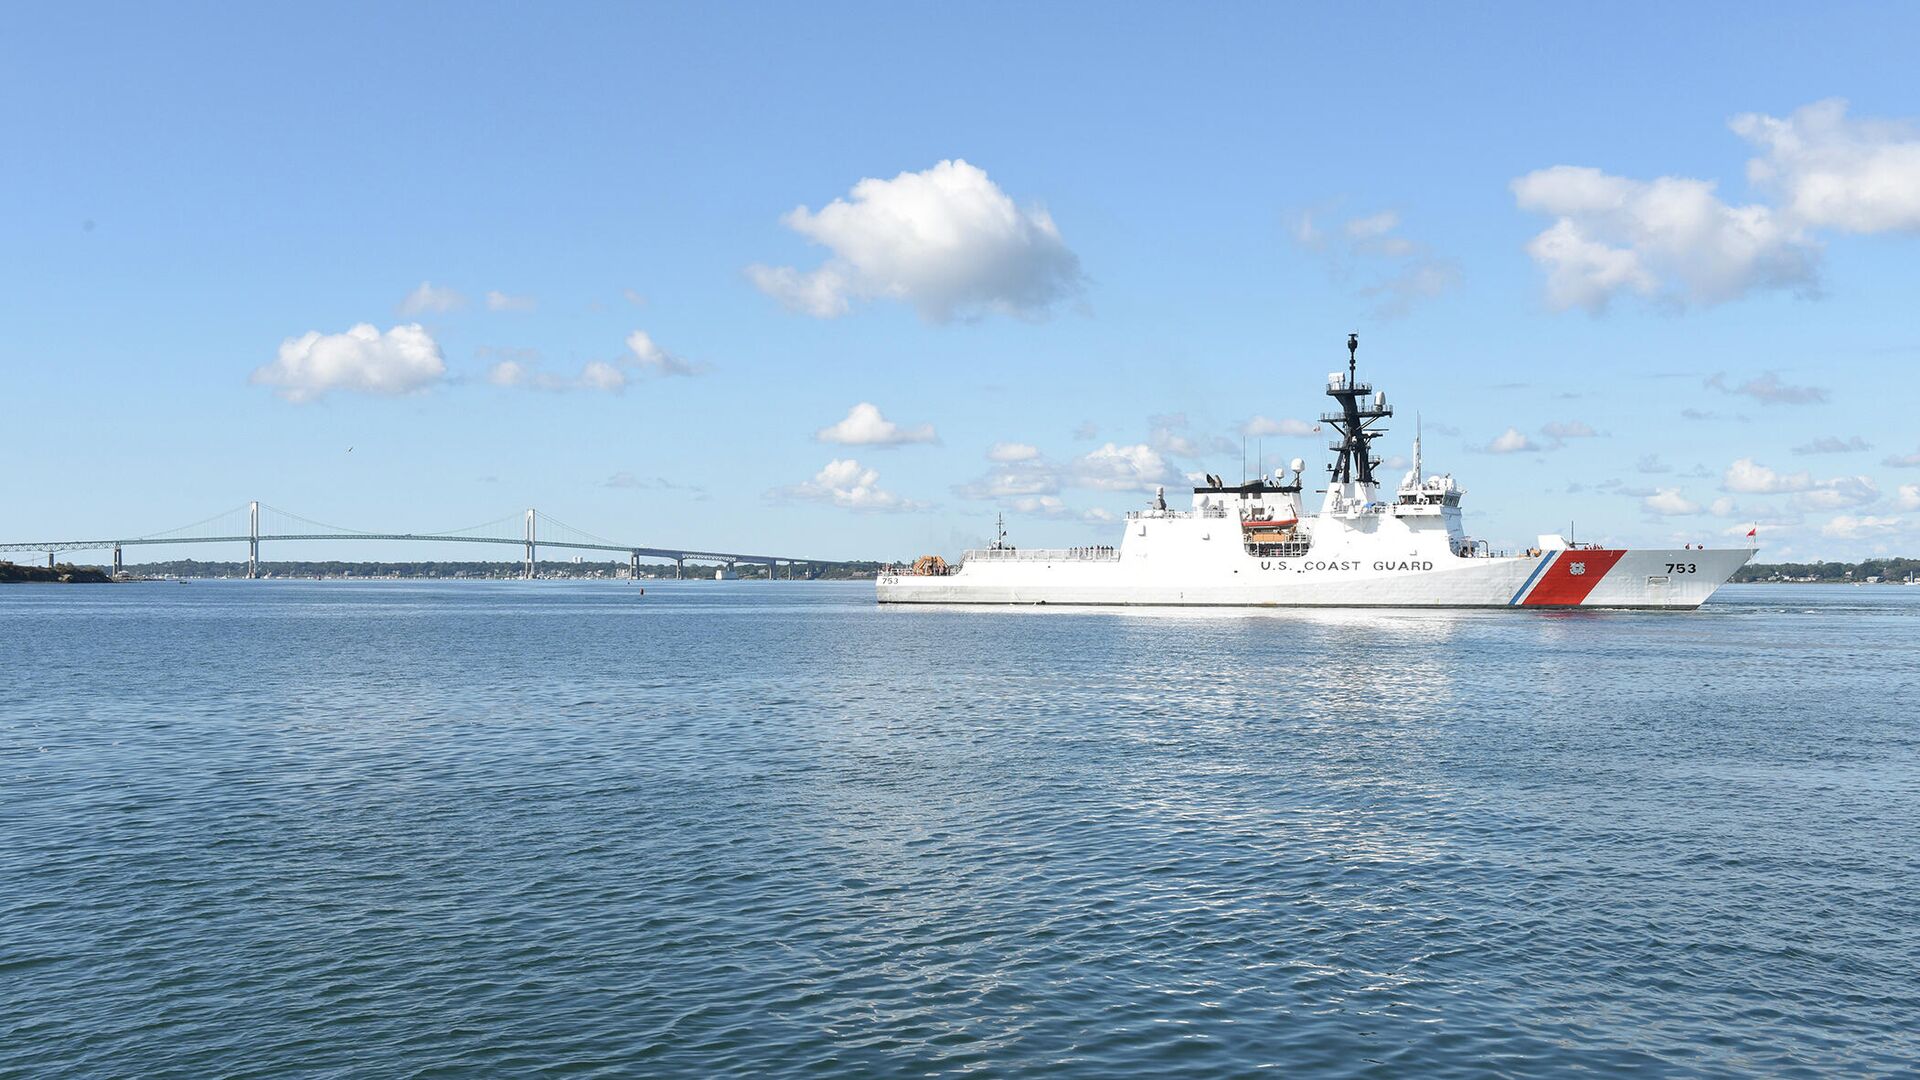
(1074, 554)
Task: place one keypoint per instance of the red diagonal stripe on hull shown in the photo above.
(1571, 577)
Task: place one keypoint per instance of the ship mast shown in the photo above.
(1353, 454)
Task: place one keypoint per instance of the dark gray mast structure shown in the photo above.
(1359, 411)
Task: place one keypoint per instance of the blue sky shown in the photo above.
(1623, 261)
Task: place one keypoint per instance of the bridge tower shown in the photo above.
(633, 565)
(530, 534)
(116, 560)
(253, 539)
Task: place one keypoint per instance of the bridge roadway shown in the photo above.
(652, 553)
(634, 554)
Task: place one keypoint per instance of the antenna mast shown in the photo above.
(1353, 454)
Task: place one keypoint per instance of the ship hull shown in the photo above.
(1665, 579)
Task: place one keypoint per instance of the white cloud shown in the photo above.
(1560, 430)
(1831, 444)
(1860, 176)
(1048, 505)
(600, 375)
(864, 426)
(1261, 426)
(1769, 390)
(1017, 479)
(849, 484)
(634, 297)
(1122, 468)
(1850, 527)
(594, 375)
(1668, 502)
(499, 301)
(1670, 238)
(1910, 496)
(1052, 506)
(1168, 435)
(431, 299)
(1838, 493)
(1400, 272)
(1012, 451)
(1723, 507)
(947, 241)
(362, 360)
(643, 353)
(1902, 461)
(1749, 477)
(1511, 441)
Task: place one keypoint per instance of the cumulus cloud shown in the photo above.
(362, 360)
(1054, 507)
(1260, 426)
(1859, 176)
(1902, 461)
(647, 356)
(1668, 502)
(499, 301)
(593, 375)
(1122, 468)
(1008, 452)
(600, 375)
(947, 240)
(1910, 496)
(1169, 435)
(1768, 390)
(431, 299)
(1015, 479)
(1831, 444)
(1837, 493)
(1137, 467)
(864, 426)
(1862, 527)
(1398, 272)
(849, 484)
(1671, 238)
(1749, 477)
(1511, 441)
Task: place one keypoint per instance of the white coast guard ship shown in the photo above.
(1256, 545)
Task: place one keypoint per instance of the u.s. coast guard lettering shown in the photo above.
(1254, 543)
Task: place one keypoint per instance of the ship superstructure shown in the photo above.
(1255, 544)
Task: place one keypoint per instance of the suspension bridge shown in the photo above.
(256, 523)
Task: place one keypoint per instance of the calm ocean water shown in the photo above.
(398, 829)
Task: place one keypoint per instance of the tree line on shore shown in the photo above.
(1891, 569)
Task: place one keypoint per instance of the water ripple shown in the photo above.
(769, 829)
